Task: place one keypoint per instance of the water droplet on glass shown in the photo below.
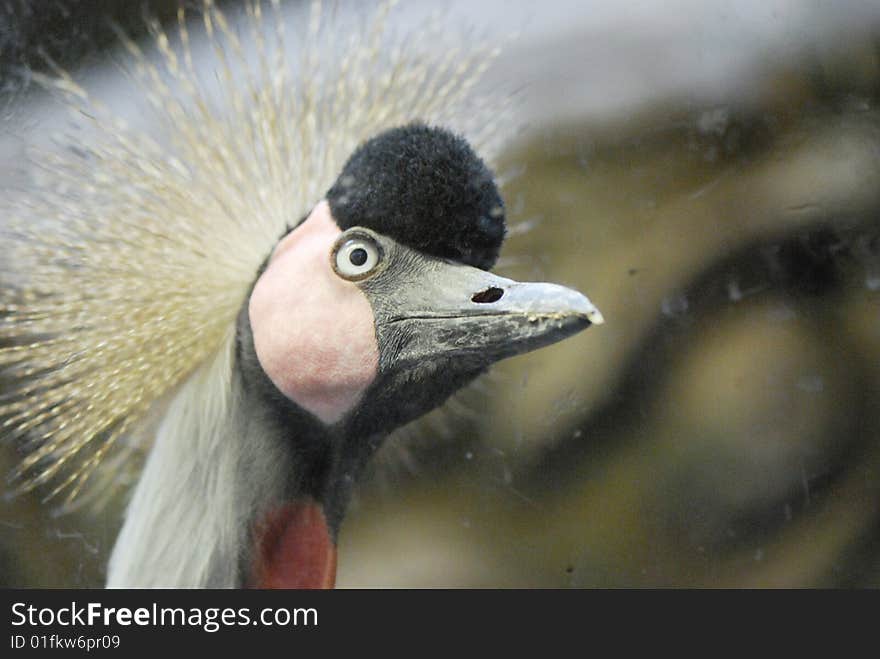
(812, 384)
(674, 304)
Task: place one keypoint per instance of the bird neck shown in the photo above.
(225, 461)
(214, 468)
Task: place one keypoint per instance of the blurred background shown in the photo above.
(709, 174)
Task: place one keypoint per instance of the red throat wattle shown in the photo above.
(294, 548)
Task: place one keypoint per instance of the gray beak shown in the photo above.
(451, 310)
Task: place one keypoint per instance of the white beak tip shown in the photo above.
(595, 316)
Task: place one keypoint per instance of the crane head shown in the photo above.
(373, 310)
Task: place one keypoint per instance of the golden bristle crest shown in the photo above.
(131, 254)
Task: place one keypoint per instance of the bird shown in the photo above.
(213, 298)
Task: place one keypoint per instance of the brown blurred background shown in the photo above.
(723, 427)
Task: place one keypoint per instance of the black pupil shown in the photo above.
(358, 256)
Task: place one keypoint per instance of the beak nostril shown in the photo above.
(488, 296)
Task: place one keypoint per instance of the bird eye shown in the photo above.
(357, 257)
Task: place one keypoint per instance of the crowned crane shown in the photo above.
(272, 390)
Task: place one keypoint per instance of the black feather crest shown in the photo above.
(426, 188)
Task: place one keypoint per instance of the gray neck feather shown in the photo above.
(215, 467)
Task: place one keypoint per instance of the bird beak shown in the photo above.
(454, 310)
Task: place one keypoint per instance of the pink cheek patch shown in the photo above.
(314, 332)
